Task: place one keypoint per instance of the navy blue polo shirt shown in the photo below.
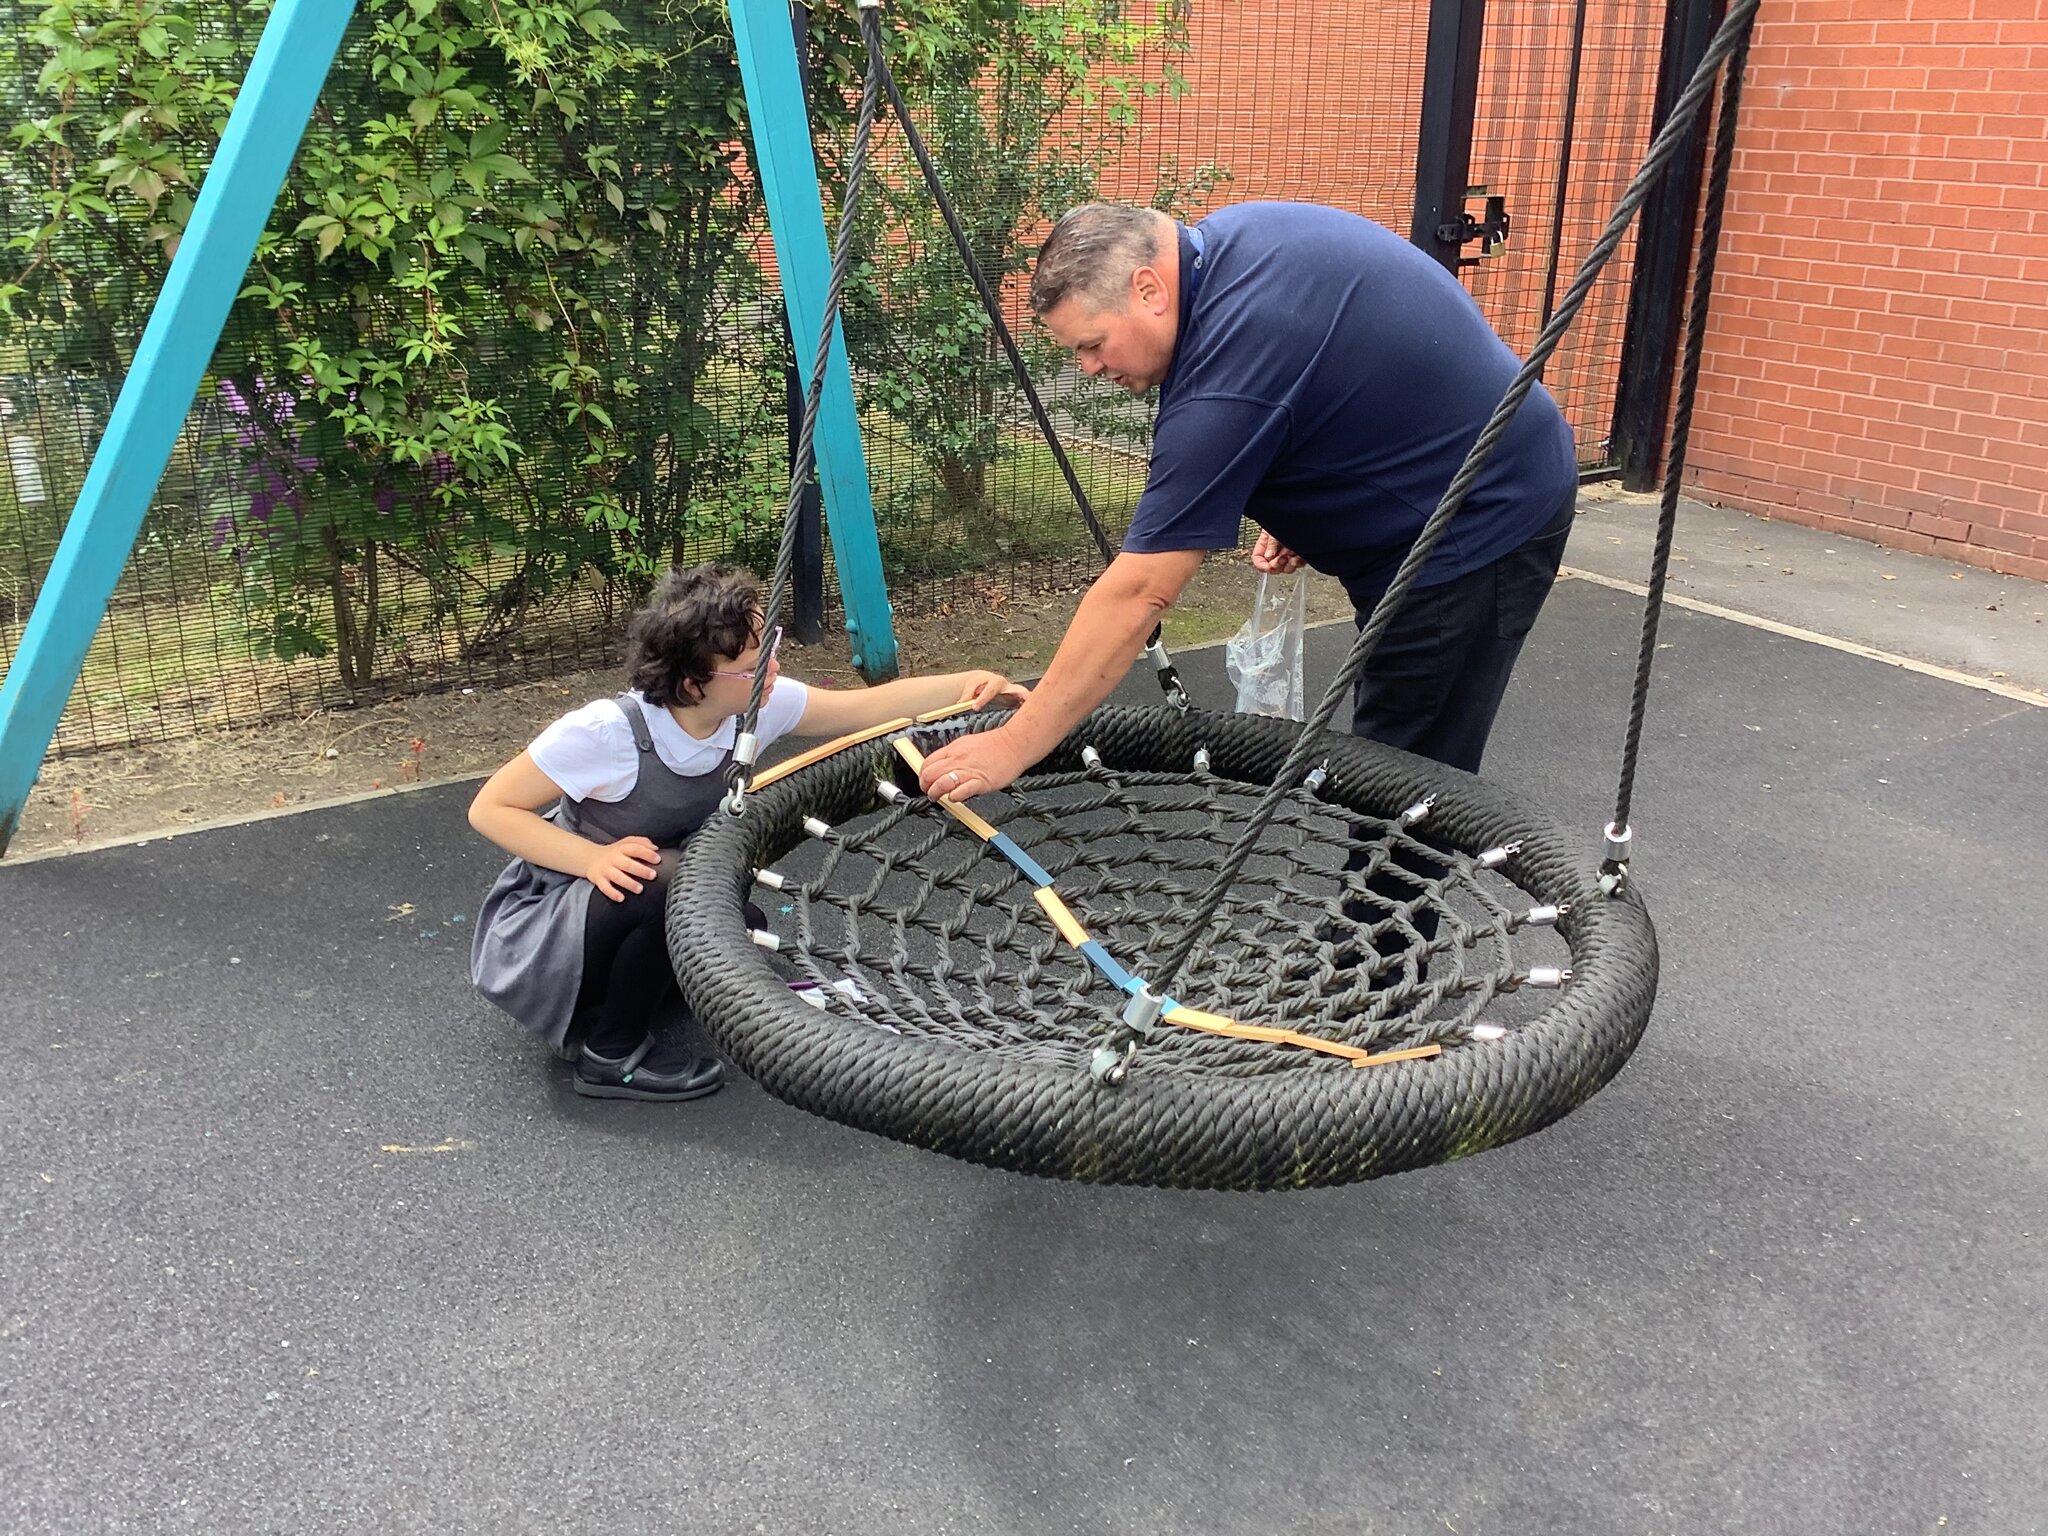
(1328, 379)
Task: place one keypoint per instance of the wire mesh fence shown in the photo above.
(513, 340)
(1565, 98)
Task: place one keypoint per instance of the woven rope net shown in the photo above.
(940, 1001)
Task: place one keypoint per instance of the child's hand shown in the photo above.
(984, 688)
(623, 868)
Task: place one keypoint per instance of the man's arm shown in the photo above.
(1109, 630)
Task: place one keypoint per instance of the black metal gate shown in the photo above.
(1534, 116)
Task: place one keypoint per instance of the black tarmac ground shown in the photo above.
(298, 1235)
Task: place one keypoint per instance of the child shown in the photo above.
(596, 810)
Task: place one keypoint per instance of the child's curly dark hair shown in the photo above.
(694, 617)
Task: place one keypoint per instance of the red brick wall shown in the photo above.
(1877, 358)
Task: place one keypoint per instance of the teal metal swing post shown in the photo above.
(277, 96)
(780, 117)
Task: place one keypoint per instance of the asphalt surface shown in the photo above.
(297, 1235)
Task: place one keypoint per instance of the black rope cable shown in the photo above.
(805, 460)
(1681, 421)
(871, 33)
(1733, 30)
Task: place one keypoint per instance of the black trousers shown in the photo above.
(626, 972)
(627, 976)
(1436, 679)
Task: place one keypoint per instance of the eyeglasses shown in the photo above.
(769, 645)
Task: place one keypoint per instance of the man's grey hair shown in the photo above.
(1090, 256)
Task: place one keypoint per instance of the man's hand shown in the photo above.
(982, 689)
(972, 765)
(1108, 632)
(621, 869)
(1274, 558)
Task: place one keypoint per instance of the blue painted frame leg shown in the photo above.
(789, 184)
(269, 117)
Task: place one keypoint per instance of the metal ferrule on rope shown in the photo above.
(1141, 1013)
(1618, 840)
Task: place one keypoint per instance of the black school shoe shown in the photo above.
(649, 1072)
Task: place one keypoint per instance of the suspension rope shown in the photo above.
(1615, 868)
(871, 33)
(1733, 30)
(989, 301)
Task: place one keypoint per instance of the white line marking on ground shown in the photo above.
(1832, 642)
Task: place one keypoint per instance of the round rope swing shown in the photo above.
(1194, 949)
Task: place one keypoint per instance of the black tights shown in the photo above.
(626, 972)
(627, 975)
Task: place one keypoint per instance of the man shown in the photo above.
(1325, 378)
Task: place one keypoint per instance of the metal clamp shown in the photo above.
(1169, 677)
(1109, 1066)
(745, 748)
(1111, 1063)
(1614, 867)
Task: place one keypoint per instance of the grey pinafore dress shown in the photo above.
(527, 956)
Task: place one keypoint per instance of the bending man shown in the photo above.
(1323, 377)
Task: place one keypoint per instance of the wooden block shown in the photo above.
(1062, 916)
(1218, 1024)
(818, 754)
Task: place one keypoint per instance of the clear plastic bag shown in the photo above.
(1264, 657)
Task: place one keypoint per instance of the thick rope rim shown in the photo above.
(1284, 1130)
